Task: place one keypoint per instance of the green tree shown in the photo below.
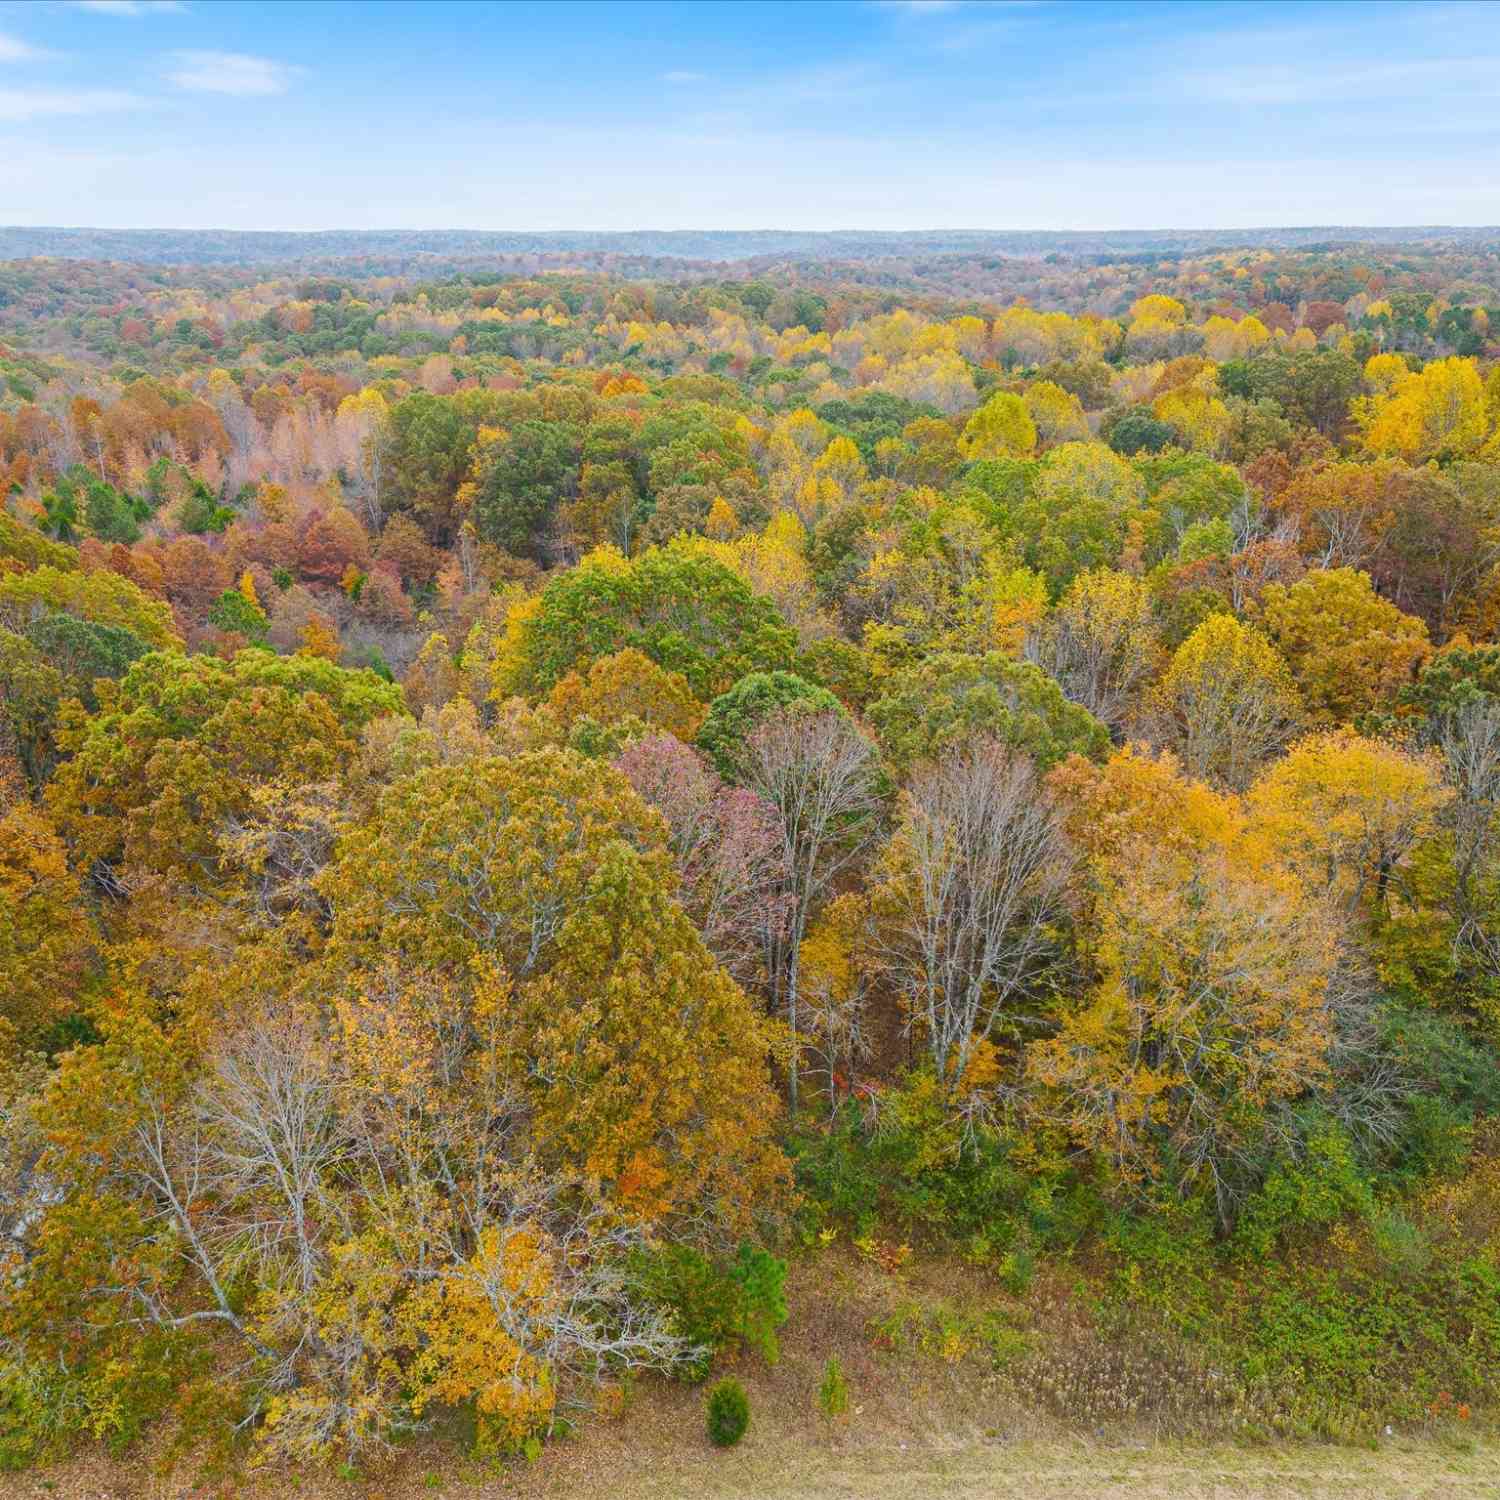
(522, 481)
(686, 611)
(180, 743)
(733, 715)
(234, 612)
(948, 697)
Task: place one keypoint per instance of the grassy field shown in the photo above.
(768, 1468)
(1030, 1471)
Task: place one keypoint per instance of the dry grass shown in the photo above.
(960, 1407)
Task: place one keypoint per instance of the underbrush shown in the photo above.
(1348, 1296)
(45, 1410)
(1351, 1295)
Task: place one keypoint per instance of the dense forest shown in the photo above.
(544, 794)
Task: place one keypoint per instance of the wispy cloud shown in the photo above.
(229, 73)
(683, 75)
(130, 8)
(918, 7)
(37, 104)
(13, 49)
(1318, 81)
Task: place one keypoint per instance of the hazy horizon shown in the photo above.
(874, 230)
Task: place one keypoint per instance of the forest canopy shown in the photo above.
(535, 790)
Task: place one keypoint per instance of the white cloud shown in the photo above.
(13, 49)
(919, 7)
(229, 73)
(683, 75)
(36, 104)
(130, 8)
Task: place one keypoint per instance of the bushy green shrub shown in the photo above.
(1452, 1080)
(1313, 1193)
(233, 611)
(202, 513)
(717, 1305)
(1401, 1247)
(728, 1410)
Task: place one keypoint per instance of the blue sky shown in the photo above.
(939, 113)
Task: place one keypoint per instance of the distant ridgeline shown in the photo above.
(403, 247)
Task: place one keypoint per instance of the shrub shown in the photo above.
(728, 1411)
(1017, 1270)
(833, 1393)
(233, 611)
(717, 1305)
(1401, 1247)
(920, 1171)
(1309, 1194)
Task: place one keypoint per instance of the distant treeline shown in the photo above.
(400, 249)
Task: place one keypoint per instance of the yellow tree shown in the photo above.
(432, 679)
(1213, 1010)
(840, 464)
(1216, 985)
(344, 1190)
(1349, 649)
(45, 936)
(1012, 604)
(1100, 642)
(1198, 417)
(1227, 701)
(1056, 413)
(1345, 813)
(627, 686)
(1001, 428)
(1440, 413)
(544, 882)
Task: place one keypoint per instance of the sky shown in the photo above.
(914, 114)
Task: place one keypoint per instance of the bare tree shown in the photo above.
(1470, 747)
(382, 1199)
(821, 776)
(970, 886)
(727, 843)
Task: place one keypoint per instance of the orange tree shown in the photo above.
(547, 882)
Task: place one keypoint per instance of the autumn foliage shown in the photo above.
(525, 801)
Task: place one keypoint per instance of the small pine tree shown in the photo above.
(728, 1413)
(833, 1393)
